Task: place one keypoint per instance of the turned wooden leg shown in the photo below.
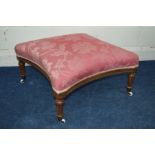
(131, 77)
(59, 108)
(22, 71)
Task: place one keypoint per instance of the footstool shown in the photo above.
(70, 61)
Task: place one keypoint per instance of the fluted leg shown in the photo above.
(59, 108)
(131, 77)
(22, 71)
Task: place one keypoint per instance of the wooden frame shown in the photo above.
(59, 98)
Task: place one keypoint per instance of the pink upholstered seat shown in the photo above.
(70, 58)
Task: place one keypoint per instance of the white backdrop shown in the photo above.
(141, 40)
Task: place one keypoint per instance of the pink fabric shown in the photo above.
(68, 59)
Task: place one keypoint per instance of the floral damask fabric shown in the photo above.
(68, 59)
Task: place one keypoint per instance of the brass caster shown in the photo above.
(62, 120)
(130, 93)
(21, 81)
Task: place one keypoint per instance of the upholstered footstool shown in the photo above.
(70, 61)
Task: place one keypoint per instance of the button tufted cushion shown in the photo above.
(70, 58)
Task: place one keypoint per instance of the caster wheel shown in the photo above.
(61, 120)
(21, 81)
(130, 93)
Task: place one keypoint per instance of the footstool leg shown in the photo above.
(131, 77)
(59, 108)
(22, 71)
